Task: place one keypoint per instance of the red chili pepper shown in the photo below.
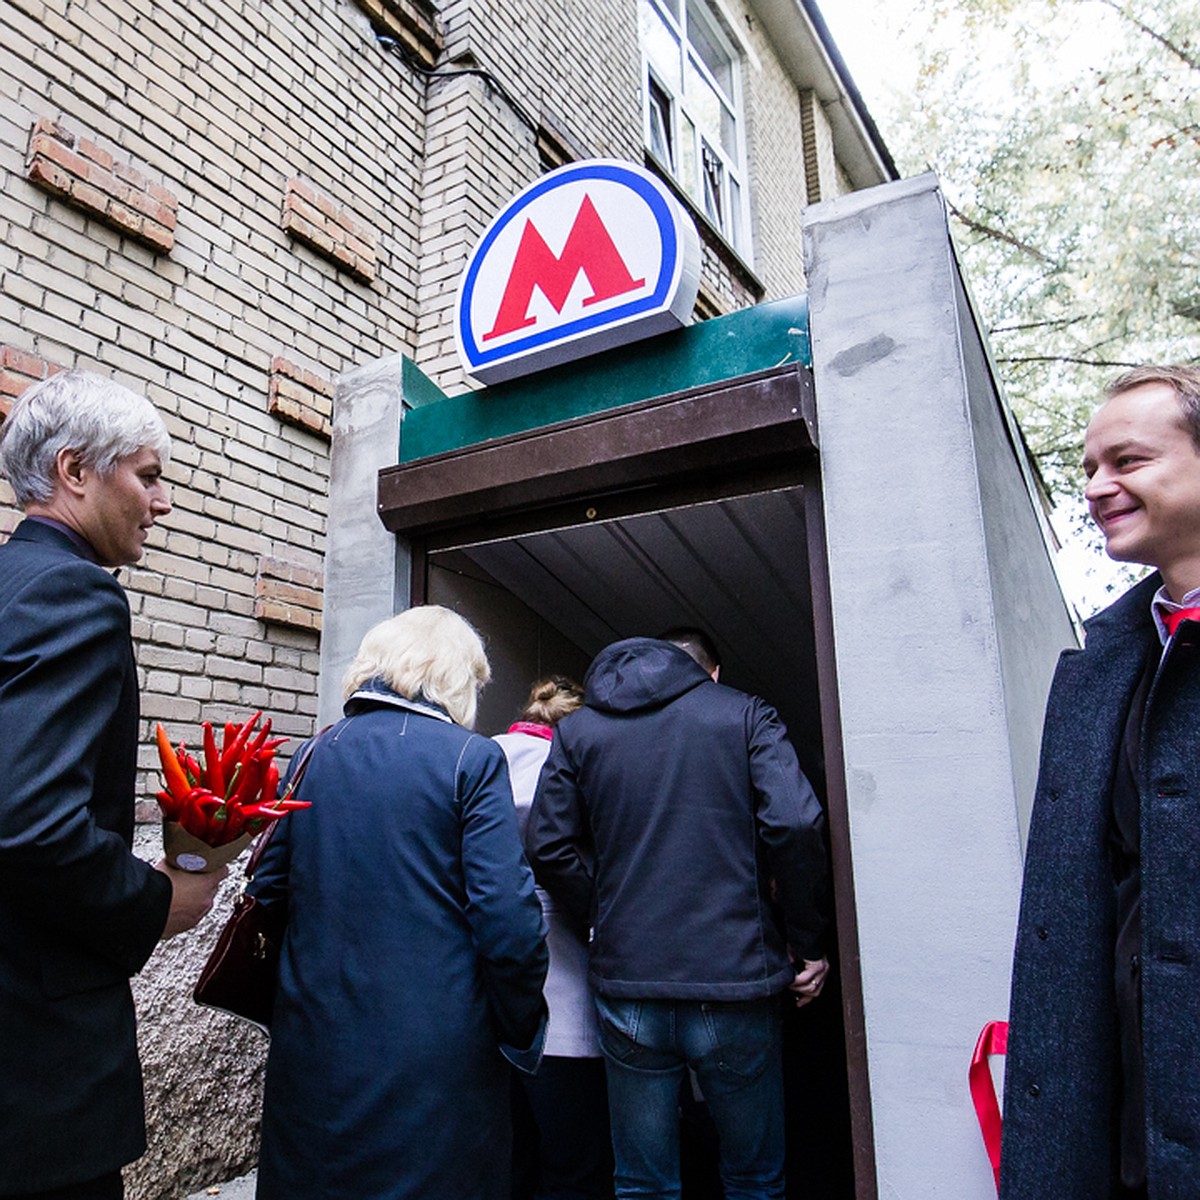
(218, 827)
(196, 814)
(173, 772)
(250, 782)
(192, 767)
(169, 805)
(280, 808)
(256, 745)
(236, 790)
(270, 784)
(214, 777)
(235, 823)
(233, 752)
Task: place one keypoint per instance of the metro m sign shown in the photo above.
(591, 256)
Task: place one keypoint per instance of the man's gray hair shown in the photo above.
(98, 418)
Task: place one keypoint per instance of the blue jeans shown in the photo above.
(734, 1048)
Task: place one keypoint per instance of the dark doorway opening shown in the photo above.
(548, 601)
(697, 508)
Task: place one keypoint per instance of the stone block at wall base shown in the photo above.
(203, 1069)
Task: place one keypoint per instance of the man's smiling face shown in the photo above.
(1143, 488)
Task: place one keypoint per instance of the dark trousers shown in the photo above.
(1127, 1193)
(562, 1148)
(108, 1187)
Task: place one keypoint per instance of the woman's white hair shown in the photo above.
(75, 410)
(426, 652)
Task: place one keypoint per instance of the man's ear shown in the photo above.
(70, 471)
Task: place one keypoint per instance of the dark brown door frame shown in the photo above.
(748, 435)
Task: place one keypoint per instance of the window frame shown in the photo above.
(732, 220)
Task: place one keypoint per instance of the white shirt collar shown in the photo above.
(1162, 603)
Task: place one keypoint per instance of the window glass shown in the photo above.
(703, 102)
(661, 46)
(692, 120)
(714, 185)
(729, 142)
(687, 157)
(704, 39)
(661, 142)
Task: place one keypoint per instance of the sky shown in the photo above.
(865, 34)
(868, 34)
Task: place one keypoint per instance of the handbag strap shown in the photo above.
(294, 789)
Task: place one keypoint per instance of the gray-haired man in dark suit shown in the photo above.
(79, 913)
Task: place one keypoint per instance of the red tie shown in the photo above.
(1172, 619)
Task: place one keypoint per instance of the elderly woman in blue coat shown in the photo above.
(415, 944)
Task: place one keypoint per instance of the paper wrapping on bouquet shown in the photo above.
(189, 853)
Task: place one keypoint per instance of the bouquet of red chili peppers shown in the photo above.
(212, 811)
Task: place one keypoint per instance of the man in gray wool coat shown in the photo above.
(1102, 1089)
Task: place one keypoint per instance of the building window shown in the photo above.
(692, 108)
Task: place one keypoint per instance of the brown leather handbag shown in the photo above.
(242, 972)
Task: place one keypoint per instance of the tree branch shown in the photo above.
(1062, 358)
(1162, 39)
(997, 234)
(1061, 322)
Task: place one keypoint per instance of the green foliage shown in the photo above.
(1067, 137)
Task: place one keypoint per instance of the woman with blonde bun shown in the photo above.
(567, 1155)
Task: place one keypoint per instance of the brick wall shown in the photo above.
(480, 154)
(77, 170)
(822, 173)
(191, 201)
(226, 204)
(208, 110)
(776, 168)
(147, 165)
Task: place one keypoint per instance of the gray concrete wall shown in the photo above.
(942, 667)
(1032, 617)
(366, 568)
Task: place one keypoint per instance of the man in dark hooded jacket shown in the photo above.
(670, 813)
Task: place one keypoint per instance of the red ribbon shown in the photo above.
(1172, 620)
(993, 1039)
(533, 730)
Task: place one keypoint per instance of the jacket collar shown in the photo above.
(1125, 629)
(375, 691)
(52, 533)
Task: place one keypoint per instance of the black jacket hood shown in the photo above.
(640, 673)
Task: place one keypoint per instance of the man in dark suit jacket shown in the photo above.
(1102, 1088)
(79, 913)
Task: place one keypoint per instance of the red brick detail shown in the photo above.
(89, 177)
(18, 369)
(288, 594)
(312, 218)
(301, 398)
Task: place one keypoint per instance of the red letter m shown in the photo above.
(589, 249)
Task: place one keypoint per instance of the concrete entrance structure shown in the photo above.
(947, 623)
(874, 552)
